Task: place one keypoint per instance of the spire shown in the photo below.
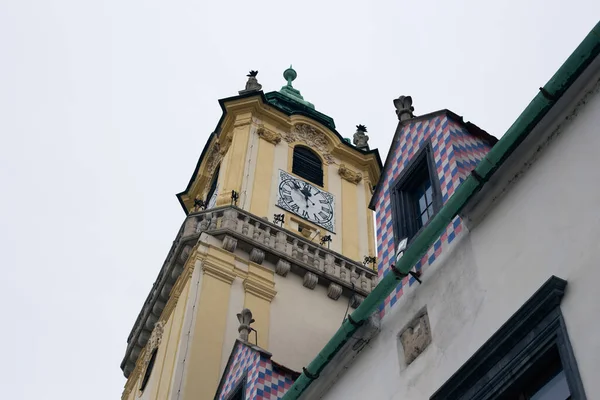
(289, 75)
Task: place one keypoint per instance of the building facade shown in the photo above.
(487, 258)
(277, 221)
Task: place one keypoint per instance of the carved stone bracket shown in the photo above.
(349, 175)
(334, 291)
(282, 268)
(310, 280)
(229, 243)
(257, 256)
(307, 134)
(269, 135)
(356, 300)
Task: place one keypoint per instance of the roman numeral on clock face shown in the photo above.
(295, 208)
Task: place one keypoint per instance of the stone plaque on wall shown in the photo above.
(415, 337)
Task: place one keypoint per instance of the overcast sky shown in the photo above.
(105, 107)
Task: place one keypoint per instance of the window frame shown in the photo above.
(403, 212)
(148, 370)
(537, 328)
(239, 386)
(321, 182)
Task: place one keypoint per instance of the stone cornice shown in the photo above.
(218, 270)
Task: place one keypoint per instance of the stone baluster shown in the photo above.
(256, 234)
(268, 236)
(295, 248)
(305, 253)
(213, 221)
(246, 226)
(344, 272)
(329, 264)
(317, 261)
(354, 276)
(281, 241)
(364, 282)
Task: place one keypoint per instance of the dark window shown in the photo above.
(415, 195)
(307, 165)
(213, 187)
(148, 370)
(529, 358)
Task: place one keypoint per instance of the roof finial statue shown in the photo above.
(404, 108)
(245, 318)
(252, 85)
(361, 139)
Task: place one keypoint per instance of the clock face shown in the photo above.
(306, 200)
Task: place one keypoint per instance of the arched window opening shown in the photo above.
(307, 165)
(148, 370)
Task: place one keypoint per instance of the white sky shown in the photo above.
(105, 107)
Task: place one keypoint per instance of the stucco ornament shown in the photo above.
(245, 319)
(404, 108)
(349, 175)
(307, 134)
(153, 344)
(361, 138)
(269, 135)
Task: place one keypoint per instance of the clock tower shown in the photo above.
(277, 221)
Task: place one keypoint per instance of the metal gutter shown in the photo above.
(572, 68)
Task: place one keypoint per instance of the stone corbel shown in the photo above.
(350, 176)
(310, 280)
(334, 291)
(282, 268)
(269, 135)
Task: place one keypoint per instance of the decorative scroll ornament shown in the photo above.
(268, 135)
(307, 134)
(349, 175)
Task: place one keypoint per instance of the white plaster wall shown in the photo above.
(302, 321)
(548, 223)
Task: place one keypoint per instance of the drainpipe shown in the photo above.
(572, 68)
